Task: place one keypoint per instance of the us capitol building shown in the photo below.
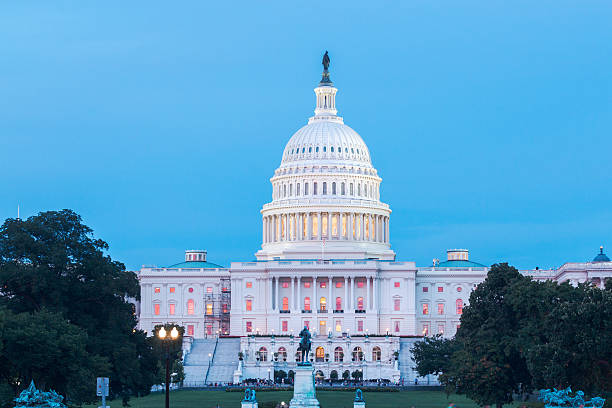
(325, 263)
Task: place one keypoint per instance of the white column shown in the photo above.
(276, 296)
(352, 296)
(362, 227)
(319, 226)
(374, 294)
(270, 296)
(368, 298)
(345, 303)
(330, 280)
(329, 225)
(387, 225)
(292, 301)
(349, 223)
(299, 293)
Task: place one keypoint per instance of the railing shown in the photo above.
(306, 311)
(210, 360)
(338, 311)
(285, 311)
(360, 311)
(322, 310)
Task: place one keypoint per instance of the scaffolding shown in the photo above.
(217, 308)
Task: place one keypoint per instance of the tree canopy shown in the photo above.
(517, 335)
(53, 271)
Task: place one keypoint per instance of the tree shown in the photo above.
(433, 354)
(52, 261)
(357, 375)
(346, 375)
(333, 375)
(279, 375)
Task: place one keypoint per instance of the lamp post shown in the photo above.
(268, 375)
(166, 338)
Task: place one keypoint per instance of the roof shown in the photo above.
(196, 264)
(601, 257)
(460, 264)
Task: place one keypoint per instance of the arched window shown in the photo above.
(351, 191)
(338, 303)
(332, 149)
(314, 188)
(284, 190)
(358, 189)
(310, 150)
(320, 354)
(338, 354)
(323, 304)
(282, 354)
(376, 354)
(334, 188)
(317, 149)
(285, 303)
(459, 306)
(306, 303)
(342, 189)
(357, 354)
(324, 188)
(359, 303)
(290, 190)
(263, 354)
(324, 149)
(297, 189)
(190, 307)
(305, 188)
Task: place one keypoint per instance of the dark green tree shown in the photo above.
(52, 261)
(433, 355)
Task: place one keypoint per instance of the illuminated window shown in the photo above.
(425, 289)
(323, 304)
(306, 303)
(320, 354)
(338, 303)
(396, 284)
(344, 231)
(190, 290)
(171, 308)
(397, 326)
(224, 308)
(249, 284)
(396, 304)
(157, 290)
(338, 326)
(209, 289)
(360, 283)
(339, 284)
(285, 325)
(285, 303)
(459, 288)
(338, 354)
(322, 326)
(249, 305)
(307, 324)
(324, 225)
(190, 330)
(425, 308)
(334, 225)
(156, 308)
(306, 284)
(323, 285)
(376, 353)
(359, 325)
(263, 354)
(209, 329)
(190, 307)
(172, 289)
(360, 303)
(249, 327)
(425, 330)
(440, 289)
(441, 329)
(209, 310)
(459, 305)
(440, 308)
(315, 227)
(285, 284)
(324, 188)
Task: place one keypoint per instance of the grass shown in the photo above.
(328, 399)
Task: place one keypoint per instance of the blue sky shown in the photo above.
(161, 123)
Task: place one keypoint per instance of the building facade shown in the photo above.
(325, 263)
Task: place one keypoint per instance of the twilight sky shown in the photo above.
(161, 123)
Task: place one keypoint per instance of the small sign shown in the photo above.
(102, 387)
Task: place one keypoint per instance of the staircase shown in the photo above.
(405, 360)
(196, 362)
(225, 361)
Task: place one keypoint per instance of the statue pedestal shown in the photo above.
(359, 404)
(249, 404)
(304, 388)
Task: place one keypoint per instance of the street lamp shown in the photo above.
(166, 339)
(268, 375)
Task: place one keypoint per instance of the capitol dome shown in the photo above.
(325, 193)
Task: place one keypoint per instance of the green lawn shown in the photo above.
(328, 399)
